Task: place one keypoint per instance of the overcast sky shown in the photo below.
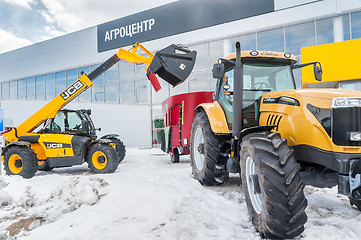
(24, 22)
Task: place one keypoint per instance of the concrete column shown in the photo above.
(338, 29)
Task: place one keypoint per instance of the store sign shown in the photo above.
(175, 18)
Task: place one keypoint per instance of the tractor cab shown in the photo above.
(261, 74)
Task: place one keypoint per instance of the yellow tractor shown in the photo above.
(56, 137)
(277, 137)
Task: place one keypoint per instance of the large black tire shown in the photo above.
(20, 160)
(102, 158)
(355, 202)
(205, 152)
(120, 147)
(273, 186)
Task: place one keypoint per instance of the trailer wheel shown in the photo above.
(205, 152)
(20, 160)
(175, 156)
(102, 158)
(273, 186)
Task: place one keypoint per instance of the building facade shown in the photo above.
(122, 99)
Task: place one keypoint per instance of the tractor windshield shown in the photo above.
(258, 79)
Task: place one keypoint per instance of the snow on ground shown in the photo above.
(149, 198)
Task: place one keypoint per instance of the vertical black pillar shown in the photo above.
(237, 94)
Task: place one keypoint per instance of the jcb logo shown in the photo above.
(71, 89)
(55, 145)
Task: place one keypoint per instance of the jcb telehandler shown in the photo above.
(277, 137)
(68, 137)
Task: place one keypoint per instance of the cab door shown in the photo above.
(62, 140)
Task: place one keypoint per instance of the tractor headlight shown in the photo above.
(355, 136)
(343, 102)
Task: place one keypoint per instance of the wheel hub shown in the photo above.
(198, 149)
(253, 186)
(18, 163)
(101, 159)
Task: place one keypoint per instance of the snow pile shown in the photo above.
(23, 208)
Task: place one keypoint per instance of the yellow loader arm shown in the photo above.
(171, 66)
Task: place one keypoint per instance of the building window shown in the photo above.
(271, 40)
(71, 76)
(325, 33)
(30, 88)
(60, 82)
(13, 89)
(126, 92)
(248, 42)
(298, 36)
(5, 90)
(111, 85)
(218, 49)
(22, 89)
(142, 92)
(202, 56)
(198, 81)
(355, 25)
(346, 27)
(40, 87)
(50, 86)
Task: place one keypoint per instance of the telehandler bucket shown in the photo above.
(173, 64)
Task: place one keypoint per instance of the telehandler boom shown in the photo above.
(68, 137)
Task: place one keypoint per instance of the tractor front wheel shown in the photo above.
(205, 152)
(102, 158)
(20, 160)
(273, 186)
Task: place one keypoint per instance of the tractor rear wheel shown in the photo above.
(20, 160)
(273, 186)
(102, 158)
(205, 151)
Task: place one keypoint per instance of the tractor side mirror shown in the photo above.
(318, 72)
(218, 70)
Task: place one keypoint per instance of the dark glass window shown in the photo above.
(298, 36)
(30, 88)
(40, 87)
(60, 82)
(50, 86)
(14, 89)
(271, 40)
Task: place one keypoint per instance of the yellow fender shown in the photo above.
(216, 117)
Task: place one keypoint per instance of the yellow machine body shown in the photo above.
(216, 117)
(296, 122)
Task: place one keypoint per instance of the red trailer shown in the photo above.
(178, 114)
